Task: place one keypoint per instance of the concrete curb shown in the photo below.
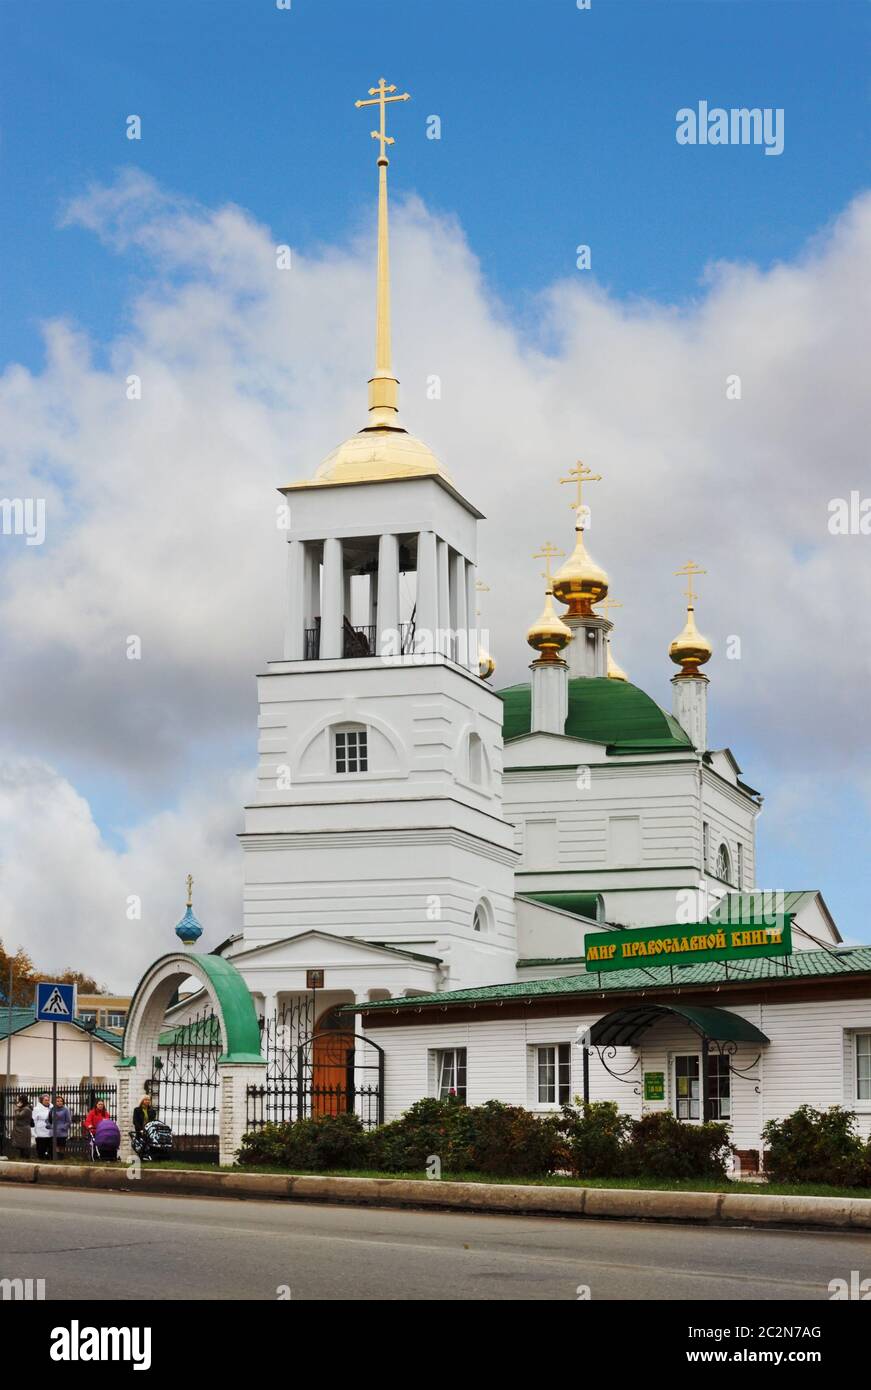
(602, 1203)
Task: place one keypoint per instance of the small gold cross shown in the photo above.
(547, 553)
(689, 571)
(190, 884)
(380, 97)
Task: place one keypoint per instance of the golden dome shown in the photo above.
(549, 634)
(690, 649)
(580, 582)
(373, 454)
(615, 672)
(486, 664)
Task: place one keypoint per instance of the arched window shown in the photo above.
(482, 917)
(350, 748)
(724, 865)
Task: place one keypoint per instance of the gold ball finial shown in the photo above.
(690, 649)
(486, 663)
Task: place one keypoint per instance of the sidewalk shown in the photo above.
(700, 1208)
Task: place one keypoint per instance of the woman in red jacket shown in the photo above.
(93, 1117)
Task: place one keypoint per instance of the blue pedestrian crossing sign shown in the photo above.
(55, 1003)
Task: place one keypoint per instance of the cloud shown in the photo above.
(161, 512)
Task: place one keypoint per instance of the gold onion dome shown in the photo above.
(615, 672)
(549, 634)
(486, 664)
(580, 582)
(690, 649)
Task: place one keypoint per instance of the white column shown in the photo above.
(471, 617)
(587, 653)
(550, 697)
(426, 618)
(690, 708)
(233, 1082)
(312, 583)
(444, 598)
(458, 609)
(388, 595)
(296, 600)
(333, 601)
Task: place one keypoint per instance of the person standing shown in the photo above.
(22, 1128)
(42, 1125)
(61, 1120)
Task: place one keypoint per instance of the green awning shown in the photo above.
(624, 1027)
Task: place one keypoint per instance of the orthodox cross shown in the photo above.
(689, 571)
(190, 884)
(579, 475)
(608, 604)
(547, 553)
(380, 96)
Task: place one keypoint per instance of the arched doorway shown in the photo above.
(332, 1064)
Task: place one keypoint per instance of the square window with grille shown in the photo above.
(863, 1066)
(553, 1074)
(352, 753)
(450, 1073)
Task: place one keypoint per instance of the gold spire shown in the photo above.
(383, 386)
(548, 634)
(580, 582)
(690, 649)
(486, 663)
(614, 672)
(190, 886)
(383, 448)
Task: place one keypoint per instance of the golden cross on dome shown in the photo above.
(190, 883)
(689, 571)
(547, 553)
(609, 603)
(380, 96)
(579, 475)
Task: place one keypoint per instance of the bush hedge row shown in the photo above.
(502, 1140)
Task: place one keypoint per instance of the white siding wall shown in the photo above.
(809, 1060)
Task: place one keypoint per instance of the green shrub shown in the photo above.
(594, 1138)
(328, 1141)
(664, 1147)
(511, 1142)
(817, 1146)
(430, 1127)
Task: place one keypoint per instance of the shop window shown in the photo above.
(687, 1088)
(720, 1087)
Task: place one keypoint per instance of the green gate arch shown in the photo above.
(234, 1007)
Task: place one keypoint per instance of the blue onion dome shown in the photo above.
(188, 929)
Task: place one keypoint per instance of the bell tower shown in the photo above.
(379, 805)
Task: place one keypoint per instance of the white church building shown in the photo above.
(426, 852)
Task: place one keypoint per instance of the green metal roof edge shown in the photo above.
(752, 970)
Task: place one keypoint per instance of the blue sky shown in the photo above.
(557, 129)
(552, 130)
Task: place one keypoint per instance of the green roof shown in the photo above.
(802, 964)
(25, 1018)
(600, 710)
(586, 905)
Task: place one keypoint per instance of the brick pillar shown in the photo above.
(234, 1079)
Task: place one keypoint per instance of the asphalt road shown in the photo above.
(112, 1246)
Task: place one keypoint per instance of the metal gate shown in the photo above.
(184, 1087)
(330, 1071)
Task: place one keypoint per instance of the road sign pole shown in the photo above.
(53, 1092)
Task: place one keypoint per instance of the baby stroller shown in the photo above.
(154, 1141)
(105, 1142)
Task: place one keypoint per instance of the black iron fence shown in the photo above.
(328, 1071)
(184, 1086)
(78, 1100)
